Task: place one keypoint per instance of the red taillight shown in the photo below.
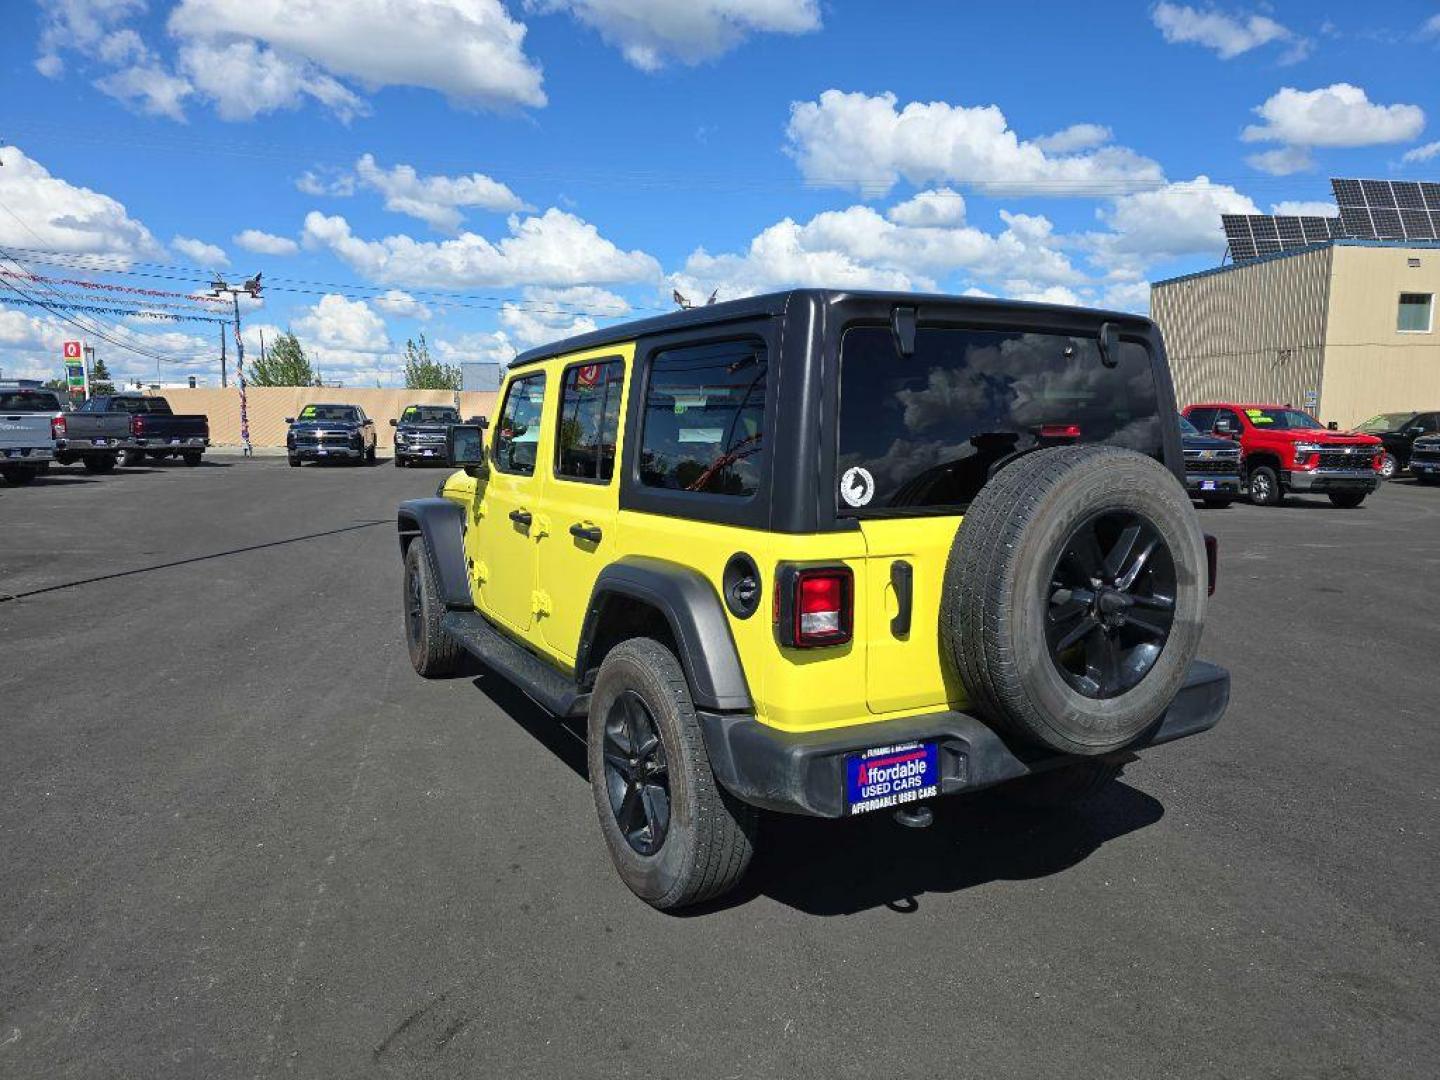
(137, 426)
(57, 427)
(1060, 431)
(816, 606)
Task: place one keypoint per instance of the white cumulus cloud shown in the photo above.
(864, 141)
(199, 252)
(399, 303)
(1336, 115)
(1180, 219)
(553, 248)
(48, 212)
(1422, 153)
(439, 201)
(650, 33)
(1229, 35)
(1298, 208)
(264, 243)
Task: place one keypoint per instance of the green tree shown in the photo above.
(100, 378)
(284, 364)
(424, 373)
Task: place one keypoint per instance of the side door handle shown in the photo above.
(521, 518)
(902, 579)
(589, 533)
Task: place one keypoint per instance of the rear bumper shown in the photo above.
(26, 455)
(1334, 480)
(803, 773)
(187, 442)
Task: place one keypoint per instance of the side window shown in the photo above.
(1430, 422)
(517, 435)
(1203, 419)
(703, 428)
(586, 434)
(1233, 417)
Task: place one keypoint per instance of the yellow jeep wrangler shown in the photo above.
(825, 553)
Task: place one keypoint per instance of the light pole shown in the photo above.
(220, 288)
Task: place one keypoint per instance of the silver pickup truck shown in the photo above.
(27, 433)
(98, 440)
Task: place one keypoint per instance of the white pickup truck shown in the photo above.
(27, 432)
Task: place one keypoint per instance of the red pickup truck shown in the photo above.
(1284, 450)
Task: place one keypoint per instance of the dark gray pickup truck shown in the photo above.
(151, 430)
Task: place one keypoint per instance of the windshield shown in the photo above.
(28, 401)
(430, 414)
(925, 432)
(1388, 421)
(1282, 419)
(341, 414)
(1187, 428)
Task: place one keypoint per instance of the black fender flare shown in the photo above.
(441, 524)
(693, 609)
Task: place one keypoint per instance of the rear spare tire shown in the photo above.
(1075, 597)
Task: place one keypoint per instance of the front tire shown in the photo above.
(294, 462)
(1426, 480)
(1265, 487)
(1347, 500)
(675, 836)
(433, 653)
(1388, 466)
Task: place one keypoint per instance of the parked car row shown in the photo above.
(344, 433)
(37, 431)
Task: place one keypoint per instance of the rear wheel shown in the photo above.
(433, 653)
(17, 477)
(192, 457)
(98, 463)
(1265, 487)
(128, 458)
(675, 836)
(1074, 597)
(1347, 500)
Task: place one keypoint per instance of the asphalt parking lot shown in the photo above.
(241, 838)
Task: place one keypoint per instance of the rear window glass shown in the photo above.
(704, 419)
(923, 433)
(13, 402)
(589, 421)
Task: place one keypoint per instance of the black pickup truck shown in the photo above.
(420, 433)
(330, 433)
(1398, 431)
(1212, 466)
(155, 431)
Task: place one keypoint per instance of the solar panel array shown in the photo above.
(1253, 235)
(1388, 209)
(1369, 210)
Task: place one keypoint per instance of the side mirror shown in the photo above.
(1226, 428)
(465, 448)
(289, 419)
(394, 422)
(1416, 430)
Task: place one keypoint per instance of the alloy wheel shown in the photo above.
(637, 776)
(1110, 604)
(1388, 466)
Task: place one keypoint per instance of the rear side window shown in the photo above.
(589, 421)
(923, 433)
(517, 436)
(704, 419)
(12, 402)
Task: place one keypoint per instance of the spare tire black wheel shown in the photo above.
(1075, 597)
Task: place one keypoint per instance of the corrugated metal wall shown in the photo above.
(1252, 333)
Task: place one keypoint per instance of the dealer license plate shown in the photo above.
(320, 453)
(1207, 485)
(427, 453)
(888, 776)
(102, 442)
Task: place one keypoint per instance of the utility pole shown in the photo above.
(88, 351)
(219, 287)
(223, 382)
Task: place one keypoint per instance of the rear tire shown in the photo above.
(433, 653)
(1347, 500)
(98, 463)
(1053, 643)
(684, 839)
(1265, 489)
(18, 477)
(192, 458)
(1066, 786)
(129, 459)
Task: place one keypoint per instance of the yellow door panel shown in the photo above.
(907, 671)
(580, 494)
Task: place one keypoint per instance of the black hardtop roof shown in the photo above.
(776, 304)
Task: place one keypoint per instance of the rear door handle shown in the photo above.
(902, 579)
(521, 518)
(588, 533)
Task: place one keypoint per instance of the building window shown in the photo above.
(1416, 313)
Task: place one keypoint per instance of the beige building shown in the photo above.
(1345, 329)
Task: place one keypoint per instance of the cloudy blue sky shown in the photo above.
(497, 174)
